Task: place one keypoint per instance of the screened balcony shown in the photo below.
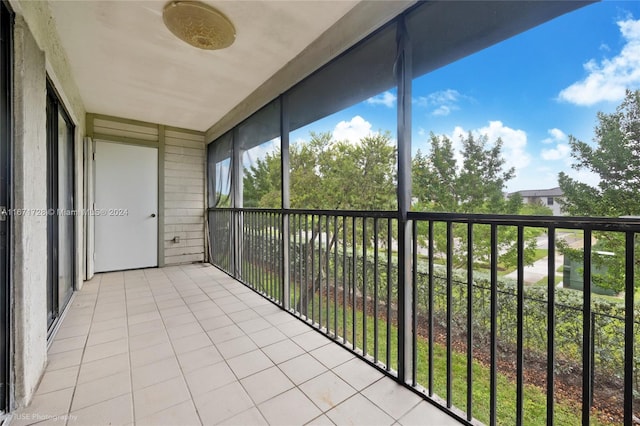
(423, 297)
(189, 345)
(297, 275)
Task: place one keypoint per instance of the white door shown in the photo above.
(126, 206)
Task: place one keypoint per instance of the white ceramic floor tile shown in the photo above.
(266, 384)
(327, 390)
(249, 363)
(424, 410)
(302, 368)
(202, 357)
(391, 397)
(359, 411)
(101, 390)
(289, 408)
(218, 405)
(282, 351)
(358, 373)
(189, 345)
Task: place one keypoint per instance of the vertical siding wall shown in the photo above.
(184, 158)
(181, 157)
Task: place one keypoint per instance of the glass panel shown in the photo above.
(219, 171)
(259, 142)
(65, 211)
(493, 133)
(343, 130)
(362, 72)
(52, 202)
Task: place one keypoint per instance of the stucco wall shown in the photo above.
(29, 239)
(38, 53)
(38, 18)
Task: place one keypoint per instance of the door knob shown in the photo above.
(153, 215)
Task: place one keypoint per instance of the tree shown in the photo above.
(328, 174)
(340, 175)
(261, 183)
(475, 184)
(615, 158)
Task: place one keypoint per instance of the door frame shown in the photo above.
(6, 199)
(91, 245)
(55, 108)
(95, 133)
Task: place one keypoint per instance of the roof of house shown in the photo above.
(551, 192)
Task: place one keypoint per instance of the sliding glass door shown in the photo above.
(60, 220)
(6, 20)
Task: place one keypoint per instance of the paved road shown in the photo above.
(540, 268)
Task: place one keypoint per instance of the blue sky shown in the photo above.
(532, 91)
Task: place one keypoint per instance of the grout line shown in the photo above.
(84, 348)
(182, 373)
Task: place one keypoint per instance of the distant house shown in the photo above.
(546, 197)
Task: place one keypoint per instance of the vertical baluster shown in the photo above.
(629, 327)
(344, 279)
(449, 305)
(364, 286)
(335, 277)
(327, 257)
(587, 361)
(389, 283)
(354, 255)
(493, 365)
(414, 304)
(430, 297)
(469, 321)
(520, 330)
(551, 325)
(375, 289)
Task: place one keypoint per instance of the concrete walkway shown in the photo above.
(540, 268)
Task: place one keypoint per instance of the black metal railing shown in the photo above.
(496, 349)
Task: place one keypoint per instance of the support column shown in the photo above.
(405, 281)
(237, 203)
(286, 204)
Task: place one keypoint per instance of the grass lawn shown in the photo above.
(534, 397)
(543, 281)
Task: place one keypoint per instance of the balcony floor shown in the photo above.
(189, 345)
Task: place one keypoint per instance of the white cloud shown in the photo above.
(352, 130)
(560, 152)
(443, 110)
(585, 176)
(608, 79)
(387, 99)
(556, 135)
(514, 143)
(444, 102)
(259, 152)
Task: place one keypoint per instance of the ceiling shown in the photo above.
(126, 63)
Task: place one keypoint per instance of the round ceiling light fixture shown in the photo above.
(198, 24)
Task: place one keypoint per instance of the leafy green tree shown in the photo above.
(615, 158)
(473, 185)
(328, 174)
(261, 183)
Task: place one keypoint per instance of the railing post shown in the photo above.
(405, 283)
(236, 190)
(629, 318)
(286, 204)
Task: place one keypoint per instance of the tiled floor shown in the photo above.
(189, 345)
